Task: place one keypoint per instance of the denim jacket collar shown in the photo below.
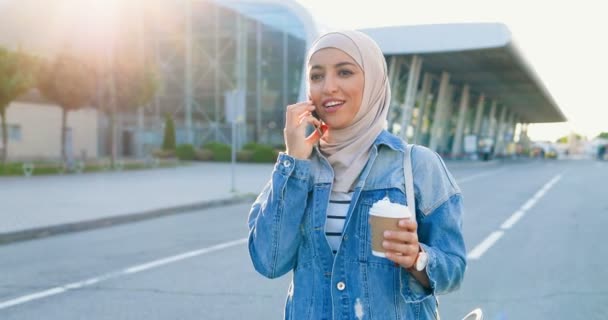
(323, 173)
(389, 140)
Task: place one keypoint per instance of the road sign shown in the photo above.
(234, 103)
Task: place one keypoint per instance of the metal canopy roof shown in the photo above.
(480, 54)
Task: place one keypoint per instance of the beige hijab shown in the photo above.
(348, 149)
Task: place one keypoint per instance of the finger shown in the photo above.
(300, 114)
(295, 110)
(404, 261)
(309, 119)
(400, 247)
(300, 105)
(307, 114)
(408, 224)
(303, 116)
(401, 236)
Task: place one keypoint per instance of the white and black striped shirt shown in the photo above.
(336, 217)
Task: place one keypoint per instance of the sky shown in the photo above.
(565, 42)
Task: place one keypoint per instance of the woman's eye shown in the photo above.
(345, 73)
(315, 77)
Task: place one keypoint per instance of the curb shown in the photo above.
(450, 163)
(43, 232)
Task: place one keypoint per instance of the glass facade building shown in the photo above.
(204, 49)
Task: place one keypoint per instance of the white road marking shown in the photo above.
(481, 248)
(490, 240)
(479, 175)
(183, 256)
(30, 297)
(512, 219)
(127, 271)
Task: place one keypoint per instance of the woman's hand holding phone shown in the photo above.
(298, 116)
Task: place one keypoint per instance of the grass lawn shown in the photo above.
(50, 168)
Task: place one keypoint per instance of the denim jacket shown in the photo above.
(287, 233)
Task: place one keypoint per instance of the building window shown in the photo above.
(14, 132)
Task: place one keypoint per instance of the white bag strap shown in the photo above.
(409, 178)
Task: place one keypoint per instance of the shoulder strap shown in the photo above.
(409, 178)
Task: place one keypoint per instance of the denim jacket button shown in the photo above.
(287, 163)
(340, 286)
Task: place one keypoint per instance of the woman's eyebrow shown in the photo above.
(337, 65)
(345, 63)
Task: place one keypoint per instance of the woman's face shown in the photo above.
(336, 86)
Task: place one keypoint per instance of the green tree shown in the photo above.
(169, 134)
(566, 139)
(16, 78)
(69, 82)
(125, 85)
(603, 135)
(136, 85)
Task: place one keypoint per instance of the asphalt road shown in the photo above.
(534, 232)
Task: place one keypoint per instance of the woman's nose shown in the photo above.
(330, 84)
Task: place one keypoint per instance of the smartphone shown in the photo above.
(314, 114)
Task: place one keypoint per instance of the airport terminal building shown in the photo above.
(457, 88)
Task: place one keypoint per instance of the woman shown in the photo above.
(312, 218)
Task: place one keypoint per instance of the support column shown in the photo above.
(393, 77)
(392, 71)
(410, 94)
(157, 112)
(258, 82)
(523, 136)
(479, 115)
(492, 121)
(423, 105)
(216, 73)
(141, 115)
(241, 80)
(512, 125)
(141, 130)
(446, 120)
(463, 108)
(436, 129)
(188, 75)
(510, 133)
(425, 130)
(500, 136)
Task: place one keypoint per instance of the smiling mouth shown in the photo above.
(332, 106)
(333, 103)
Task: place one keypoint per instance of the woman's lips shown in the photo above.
(334, 108)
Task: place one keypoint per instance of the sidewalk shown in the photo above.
(43, 205)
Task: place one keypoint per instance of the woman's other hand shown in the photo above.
(402, 246)
(298, 116)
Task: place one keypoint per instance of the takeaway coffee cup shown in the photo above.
(385, 215)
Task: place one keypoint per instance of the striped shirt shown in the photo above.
(336, 217)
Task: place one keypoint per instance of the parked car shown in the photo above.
(551, 153)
